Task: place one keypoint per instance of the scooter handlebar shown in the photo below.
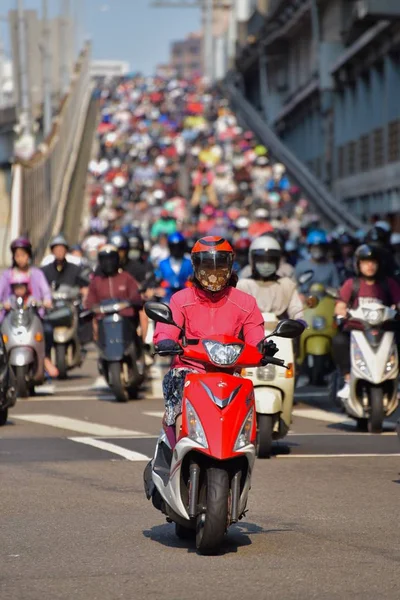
(270, 360)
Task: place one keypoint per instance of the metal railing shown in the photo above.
(39, 187)
(332, 211)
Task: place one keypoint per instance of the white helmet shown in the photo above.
(265, 254)
(261, 213)
(242, 223)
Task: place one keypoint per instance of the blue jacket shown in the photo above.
(176, 281)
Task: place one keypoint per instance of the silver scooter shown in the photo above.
(23, 335)
(66, 349)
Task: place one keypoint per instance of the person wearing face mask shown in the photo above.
(60, 271)
(272, 293)
(324, 270)
(175, 270)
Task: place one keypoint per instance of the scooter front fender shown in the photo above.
(268, 400)
(21, 356)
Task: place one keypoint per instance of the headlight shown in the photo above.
(223, 354)
(319, 323)
(373, 316)
(359, 360)
(195, 428)
(266, 373)
(244, 437)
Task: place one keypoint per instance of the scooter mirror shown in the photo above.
(289, 328)
(305, 277)
(159, 312)
(312, 302)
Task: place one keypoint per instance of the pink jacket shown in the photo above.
(229, 312)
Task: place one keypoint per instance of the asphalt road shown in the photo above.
(323, 518)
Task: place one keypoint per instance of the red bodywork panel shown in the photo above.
(221, 425)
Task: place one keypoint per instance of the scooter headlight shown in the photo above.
(194, 426)
(359, 360)
(223, 354)
(244, 437)
(319, 323)
(373, 316)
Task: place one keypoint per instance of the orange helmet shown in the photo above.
(212, 260)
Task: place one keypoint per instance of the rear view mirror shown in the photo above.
(305, 277)
(289, 328)
(159, 312)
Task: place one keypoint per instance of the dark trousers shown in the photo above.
(341, 352)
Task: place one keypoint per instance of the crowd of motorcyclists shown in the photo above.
(173, 166)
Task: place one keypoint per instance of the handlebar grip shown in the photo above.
(270, 360)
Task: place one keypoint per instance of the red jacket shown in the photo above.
(229, 312)
(121, 286)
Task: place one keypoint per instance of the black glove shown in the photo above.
(268, 348)
(168, 347)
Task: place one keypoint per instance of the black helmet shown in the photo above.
(177, 245)
(345, 239)
(365, 252)
(119, 240)
(378, 235)
(108, 258)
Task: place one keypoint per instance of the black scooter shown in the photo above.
(8, 396)
(121, 353)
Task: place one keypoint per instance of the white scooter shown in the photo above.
(374, 366)
(274, 392)
(23, 335)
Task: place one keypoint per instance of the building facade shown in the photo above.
(326, 76)
(187, 56)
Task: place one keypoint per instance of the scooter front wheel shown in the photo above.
(265, 426)
(21, 382)
(3, 416)
(115, 382)
(61, 361)
(377, 411)
(212, 523)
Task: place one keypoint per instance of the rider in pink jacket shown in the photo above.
(211, 307)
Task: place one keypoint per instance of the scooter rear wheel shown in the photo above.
(3, 416)
(211, 524)
(115, 382)
(377, 411)
(21, 382)
(265, 426)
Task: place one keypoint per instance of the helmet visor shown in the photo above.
(213, 270)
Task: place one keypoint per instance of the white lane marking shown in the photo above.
(317, 414)
(113, 448)
(67, 398)
(99, 384)
(334, 455)
(96, 429)
(154, 413)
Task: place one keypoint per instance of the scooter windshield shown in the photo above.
(21, 318)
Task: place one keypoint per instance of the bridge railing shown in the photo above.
(40, 184)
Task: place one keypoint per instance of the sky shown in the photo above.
(128, 30)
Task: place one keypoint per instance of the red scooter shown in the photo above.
(201, 479)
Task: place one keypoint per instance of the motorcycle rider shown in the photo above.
(61, 271)
(370, 284)
(112, 283)
(273, 293)
(213, 306)
(345, 261)
(324, 271)
(21, 250)
(175, 270)
(378, 237)
(137, 267)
